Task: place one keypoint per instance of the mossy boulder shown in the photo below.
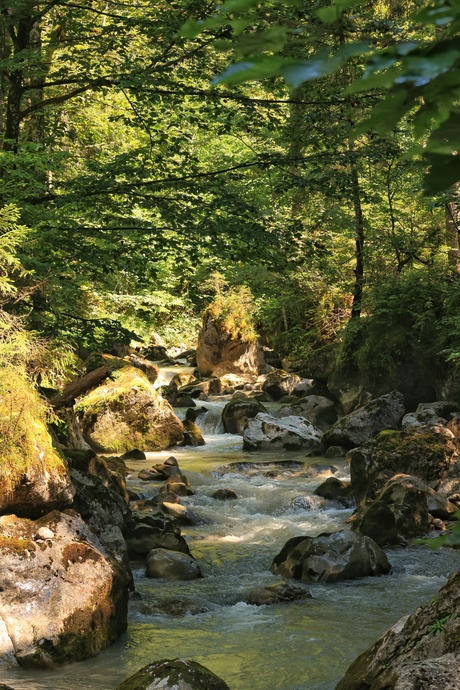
(62, 597)
(127, 413)
(430, 456)
(279, 383)
(222, 351)
(330, 558)
(172, 674)
(365, 423)
(420, 652)
(401, 511)
(238, 411)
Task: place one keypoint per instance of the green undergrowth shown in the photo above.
(121, 384)
(25, 444)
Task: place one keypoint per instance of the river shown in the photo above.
(303, 645)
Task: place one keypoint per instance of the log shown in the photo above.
(80, 386)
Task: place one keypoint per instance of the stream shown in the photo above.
(302, 645)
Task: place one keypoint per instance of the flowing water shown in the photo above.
(303, 645)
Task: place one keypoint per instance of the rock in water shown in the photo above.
(363, 424)
(330, 557)
(265, 432)
(420, 652)
(174, 674)
(62, 599)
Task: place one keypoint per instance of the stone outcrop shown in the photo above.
(365, 423)
(330, 557)
(401, 511)
(265, 432)
(219, 353)
(62, 598)
(430, 456)
(127, 413)
(420, 652)
(334, 489)
(174, 674)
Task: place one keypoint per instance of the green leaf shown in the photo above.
(444, 172)
(335, 11)
(296, 73)
(252, 70)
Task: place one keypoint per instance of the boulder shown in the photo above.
(143, 538)
(174, 674)
(238, 411)
(128, 413)
(265, 432)
(219, 353)
(432, 457)
(172, 565)
(334, 489)
(364, 424)
(430, 414)
(330, 557)
(192, 434)
(62, 598)
(420, 652)
(279, 383)
(225, 495)
(319, 410)
(401, 511)
(279, 593)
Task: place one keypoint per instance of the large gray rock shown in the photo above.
(265, 432)
(364, 424)
(218, 353)
(430, 456)
(430, 414)
(62, 598)
(174, 674)
(319, 410)
(420, 652)
(330, 557)
(172, 565)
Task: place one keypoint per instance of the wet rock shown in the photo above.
(143, 538)
(134, 454)
(62, 599)
(431, 457)
(146, 366)
(401, 511)
(319, 410)
(336, 452)
(174, 607)
(183, 514)
(225, 495)
(238, 411)
(172, 674)
(330, 557)
(365, 423)
(279, 593)
(151, 475)
(172, 565)
(420, 652)
(192, 434)
(266, 433)
(335, 490)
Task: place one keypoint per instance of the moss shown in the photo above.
(20, 547)
(121, 386)
(25, 444)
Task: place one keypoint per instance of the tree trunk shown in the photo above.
(452, 233)
(359, 245)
